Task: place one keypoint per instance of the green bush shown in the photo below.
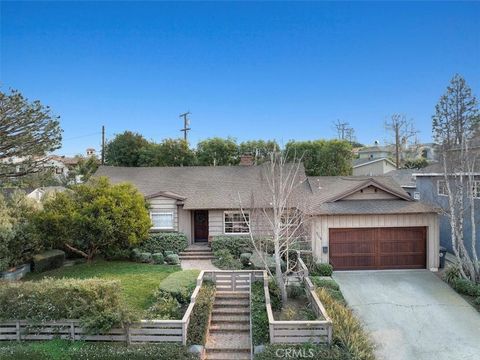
(158, 258)
(97, 303)
(172, 259)
(348, 332)
(48, 260)
(301, 352)
(145, 257)
(135, 254)
(325, 283)
(180, 285)
(295, 291)
(165, 241)
(225, 260)
(116, 254)
(322, 269)
(245, 258)
(68, 350)
(165, 307)
(477, 301)
(198, 326)
(466, 287)
(260, 326)
(275, 296)
(168, 252)
(234, 244)
(452, 273)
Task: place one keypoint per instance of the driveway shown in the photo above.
(412, 315)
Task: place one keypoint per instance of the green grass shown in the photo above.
(138, 281)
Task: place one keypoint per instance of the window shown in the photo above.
(476, 189)
(235, 222)
(162, 220)
(441, 187)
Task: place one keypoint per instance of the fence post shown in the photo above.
(127, 334)
(184, 333)
(72, 330)
(18, 330)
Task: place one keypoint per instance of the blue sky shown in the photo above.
(246, 70)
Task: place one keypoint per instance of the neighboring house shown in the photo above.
(431, 186)
(407, 180)
(375, 152)
(354, 222)
(39, 194)
(372, 167)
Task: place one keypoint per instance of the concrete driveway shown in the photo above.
(412, 315)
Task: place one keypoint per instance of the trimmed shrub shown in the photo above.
(145, 257)
(97, 303)
(168, 252)
(172, 259)
(275, 296)
(325, 283)
(198, 326)
(180, 285)
(348, 332)
(258, 263)
(234, 244)
(322, 269)
(48, 260)
(135, 254)
(260, 326)
(245, 258)
(225, 260)
(466, 287)
(165, 307)
(158, 258)
(295, 291)
(165, 241)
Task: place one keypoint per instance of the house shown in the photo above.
(375, 152)
(354, 222)
(407, 180)
(39, 194)
(372, 167)
(430, 184)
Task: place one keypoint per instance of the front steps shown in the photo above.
(229, 330)
(197, 252)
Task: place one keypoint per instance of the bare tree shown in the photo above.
(274, 214)
(402, 131)
(454, 123)
(345, 131)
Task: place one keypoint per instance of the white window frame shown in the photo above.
(247, 213)
(439, 187)
(476, 189)
(156, 212)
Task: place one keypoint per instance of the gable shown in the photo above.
(370, 193)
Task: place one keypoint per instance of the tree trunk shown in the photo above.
(279, 275)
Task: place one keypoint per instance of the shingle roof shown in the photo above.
(361, 162)
(203, 187)
(360, 207)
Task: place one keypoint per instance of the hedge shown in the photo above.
(166, 241)
(68, 350)
(225, 260)
(234, 244)
(348, 332)
(48, 260)
(198, 326)
(260, 325)
(97, 303)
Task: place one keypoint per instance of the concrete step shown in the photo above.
(230, 311)
(231, 302)
(231, 294)
(204, 248)
(196, 257)
(204, 252)
(230, 327)
(230, 318)
(227, 355)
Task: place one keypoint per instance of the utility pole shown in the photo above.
(103, 144)
(186, 124)
(344, 131)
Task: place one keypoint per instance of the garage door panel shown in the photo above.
(378, 248)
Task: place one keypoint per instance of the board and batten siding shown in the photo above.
(322, 224)
(216, 219)
(165, 204)
(370, 193)
(185, 222)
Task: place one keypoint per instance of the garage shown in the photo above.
(378, 248)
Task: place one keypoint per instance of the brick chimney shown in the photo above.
(246, 160)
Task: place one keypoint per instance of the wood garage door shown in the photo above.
(378, 248)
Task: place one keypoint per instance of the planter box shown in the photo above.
(17, 274)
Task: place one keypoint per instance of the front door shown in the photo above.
(200, 225)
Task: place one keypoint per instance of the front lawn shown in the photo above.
(138, 281)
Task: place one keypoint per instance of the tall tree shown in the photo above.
(402, 131)
(170, 152)
(217, 152)
(260, 149)
(28, 131)
(322, 157)
(456, 117)
(125, 149)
